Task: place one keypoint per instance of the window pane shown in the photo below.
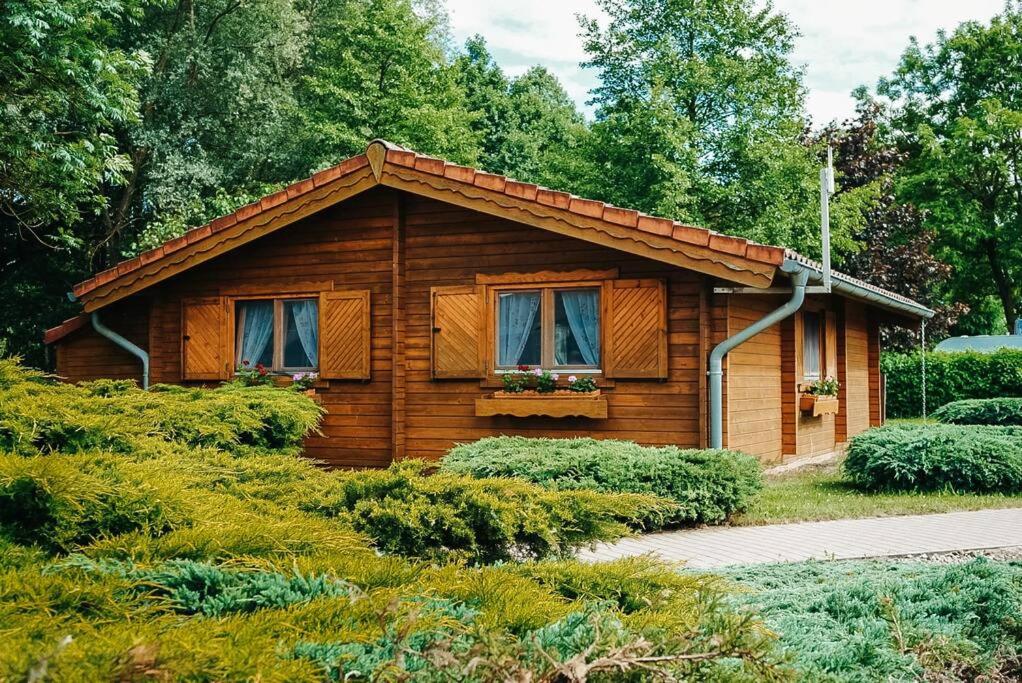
(254, 333)
(301, 333)
(518, 329)
(811, 345)
(577, 327)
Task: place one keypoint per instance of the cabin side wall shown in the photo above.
(856, 383)
(754, 381)
(85, 355)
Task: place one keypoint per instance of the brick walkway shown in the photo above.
(838, 540)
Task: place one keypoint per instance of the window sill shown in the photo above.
(568, 404)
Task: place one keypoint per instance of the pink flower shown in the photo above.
(572, 378)
(538, 372)
(555, 377)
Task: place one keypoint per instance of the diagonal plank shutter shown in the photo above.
(205, 347)
(457, 318)
(344, 335)
(636, 335)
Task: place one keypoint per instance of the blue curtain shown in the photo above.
(517, 314)
(582, 308)
(306, 323)
(256, 330)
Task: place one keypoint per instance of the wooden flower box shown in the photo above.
(818, 405)
(561, 403)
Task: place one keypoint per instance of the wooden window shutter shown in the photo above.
(457, 315)
(345, 335)
(205, 344)
(636, 329)
(830, 345)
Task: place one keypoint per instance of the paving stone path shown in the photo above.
(841, 539)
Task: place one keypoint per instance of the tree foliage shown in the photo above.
(700, 117)
(958, 115)
(895, 248)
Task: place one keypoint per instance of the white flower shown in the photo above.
(572, 378)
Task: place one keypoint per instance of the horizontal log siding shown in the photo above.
(449, 246)
(856, 369)
(754, 381)
(85, 355)
(349, 244)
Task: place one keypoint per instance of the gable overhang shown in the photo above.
(728, 258)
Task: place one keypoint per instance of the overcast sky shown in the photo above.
(843, 44)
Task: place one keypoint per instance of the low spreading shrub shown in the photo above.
(481, 520)
(211, 590)
(707, 486)
(981, 411)
(936, 457)
(191, 563)
(949, 377)
(38, 415)
(891, 621)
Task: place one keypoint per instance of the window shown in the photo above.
(548, 327)
(282, 334)
(812, 345)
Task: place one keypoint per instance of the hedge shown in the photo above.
(964, 458)
(981, 411)
(708, 485)
(949, 377)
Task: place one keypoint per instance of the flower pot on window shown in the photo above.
(816, 406)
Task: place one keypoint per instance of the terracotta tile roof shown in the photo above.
(65, 328)
(400, 156)
(381, 153)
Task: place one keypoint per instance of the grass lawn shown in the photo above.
(820, 493)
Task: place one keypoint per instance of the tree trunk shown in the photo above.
(1004, 285)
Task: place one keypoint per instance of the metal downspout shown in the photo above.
(124, 344)
(798, 294)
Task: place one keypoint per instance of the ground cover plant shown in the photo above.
(873, 621)
(949, 377)
(933, 457)
(707, 486)
(145, 552)
(981, 411)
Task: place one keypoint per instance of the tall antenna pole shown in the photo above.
(826, 190)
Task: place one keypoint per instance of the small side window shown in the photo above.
(812, 345)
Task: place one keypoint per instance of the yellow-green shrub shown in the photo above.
(191, 563)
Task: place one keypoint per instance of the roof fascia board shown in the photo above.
(243, 232)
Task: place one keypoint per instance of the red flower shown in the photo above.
(523, 368)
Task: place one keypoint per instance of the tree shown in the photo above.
(66, 91)
(379, 68)
(895, 248)
(958, 115)
(700, 117)
(528, 127)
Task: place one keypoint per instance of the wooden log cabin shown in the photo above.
(410, 285)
